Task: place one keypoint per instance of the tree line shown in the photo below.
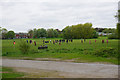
(75, 32)
(49, 33)
(79, 31)
(5, 34)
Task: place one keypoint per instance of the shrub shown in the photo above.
(24, 47)
(113, 36)
(95, 34)
(106, 52)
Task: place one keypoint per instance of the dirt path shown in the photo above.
(81, 70)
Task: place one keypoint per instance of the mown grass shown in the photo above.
(10, 73)
(81, 52)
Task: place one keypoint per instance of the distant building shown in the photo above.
(103, 34)
(21, 35)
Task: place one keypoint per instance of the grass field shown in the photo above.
(10, 73)
(80, 52)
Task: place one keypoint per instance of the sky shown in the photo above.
(23, 15)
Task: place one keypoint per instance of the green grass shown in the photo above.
(10, 73)
(75, 50)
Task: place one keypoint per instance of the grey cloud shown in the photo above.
(57, 13)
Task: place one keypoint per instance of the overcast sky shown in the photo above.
(22, 15)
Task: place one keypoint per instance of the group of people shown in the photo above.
(32, 42)
(103, 41)
(60, 41)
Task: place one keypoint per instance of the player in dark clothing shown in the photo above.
(67, 41)
(35, 43)
(102, 41)
(27, 41)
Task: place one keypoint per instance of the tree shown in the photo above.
(42, 32)
(35, 33)
(10, 34)
(87, 31)
(55, 33)
(0, 29)
(0, 32)
(118, 30)
(78, 31)
(118, 24)
(67, 32)
(30, 32)
(95, 34)
(50, 33)
(4, 32)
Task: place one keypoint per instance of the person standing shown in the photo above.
(14, 42)
(81, 41)
(50, 41)
(107, 41)
(30, 41)
(89, 41)
(71, 40)
(67, 41)
(102, 41)
(27, 41)
(35, 43)
(95, 41)
(53, 42)
(43, 41)
(59, 43)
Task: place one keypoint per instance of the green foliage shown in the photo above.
(107, 52)
(78, 31)
(67, 32)
(95, 34)
(39, 33)
(50, 33)
(109, 30)
(70, 50)
(60, 35)
(24, 47)
(42, 32)
(113, 36)
(10, 73)
(30, 32)
(118, 30)
(4, 32)
(10, 34)
(56, 33)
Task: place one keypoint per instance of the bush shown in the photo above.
(24, 47)
(113, 36)
(95, 34)
(107, 52)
